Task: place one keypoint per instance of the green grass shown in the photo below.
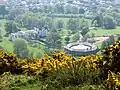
(101, 32)
(7, 45)
(98, 44)
(37, 51)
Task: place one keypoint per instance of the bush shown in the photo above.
(15, 82)
(9, 63)
(63, 71)
(75, 73)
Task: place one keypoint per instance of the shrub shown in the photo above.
(75, 73)
(15, 82)
(9, 62)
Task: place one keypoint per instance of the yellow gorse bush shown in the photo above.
(9, 62)
(58, 60)
(93, 61)
(113, 80)
(108, 63)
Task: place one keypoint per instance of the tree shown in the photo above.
(59, 8)
(74, 10)
(104, 44)
(15, 12)
(81, 11)
(67, 39)
(53, 40)
(111, 39)
(20, 48)
(3, 10)
(59, 24)
(84, 39)
(49, 22)
(83, 23)
(84, 30)
(116, 17)
(73, 24)
(76, 37)
(98, 21)
(68, 8)
(11, 27)
(109, 22)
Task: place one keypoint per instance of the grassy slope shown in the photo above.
(101, 31)
(8, 45)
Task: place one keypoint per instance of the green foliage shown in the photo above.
(109, 22)
(98, 21)
(75, 74)
(111, 56)
(75, 10)
(60, 24)
(3, 10)
(9, 63)
(73, 24)
(15, 82)
(67, 39)
(62, 71)
(84, 31)
(53, 40)
(76, 37)
(20, 48)
(104, 45)
(15, 12)
(11, 27)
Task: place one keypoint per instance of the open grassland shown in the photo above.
(101, 32)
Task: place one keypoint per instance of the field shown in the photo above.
(101, 32)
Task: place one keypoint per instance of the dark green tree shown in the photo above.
(109, 22)
(15, 12)
(60, 24)
(20, 48)
(81, 11)
(76, 37)
(73, 24)
(11, 27)
(99, 20)
(84, 30)
(3, 10)
(67, 39)
(53, 40)
(74, 10)
(104, 44)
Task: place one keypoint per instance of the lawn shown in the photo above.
(100, 31)
(7, 45)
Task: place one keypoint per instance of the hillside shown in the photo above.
(62, 71)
